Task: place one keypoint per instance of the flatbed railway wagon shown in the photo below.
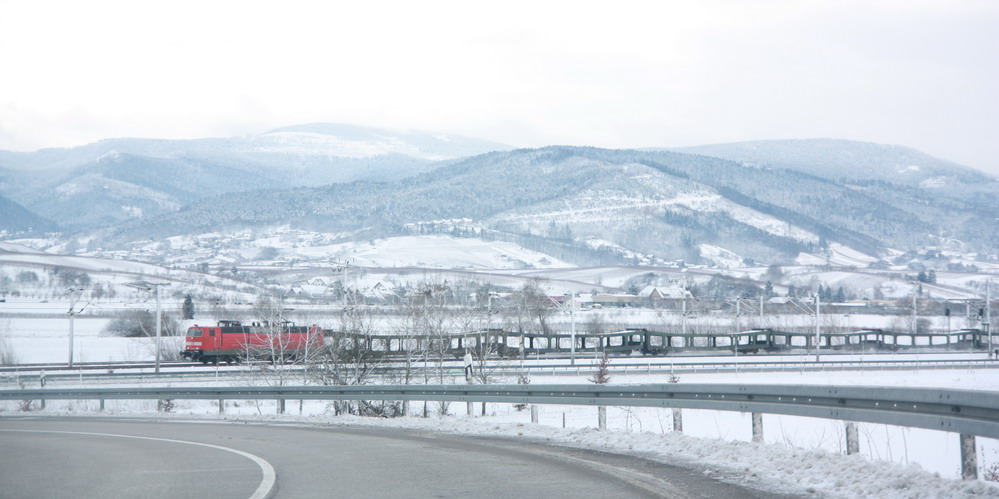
(231, 341)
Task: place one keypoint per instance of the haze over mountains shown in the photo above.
(122, 179)
(766, 201)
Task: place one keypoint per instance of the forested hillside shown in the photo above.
(664, 203)
(116, 180)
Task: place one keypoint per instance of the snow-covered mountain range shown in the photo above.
(116, 180)
(724, 205)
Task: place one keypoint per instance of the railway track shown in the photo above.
(583, 358)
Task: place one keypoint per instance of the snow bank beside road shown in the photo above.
(769, 468)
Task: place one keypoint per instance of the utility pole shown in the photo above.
(159, 329)
(735, 337)
(572, 327)
(683, 316)
(738, 314)
(818, 336)
(72, 314)
(149, 286)
(914, 328)
(988, 316)
(761, 311)
(572, 322)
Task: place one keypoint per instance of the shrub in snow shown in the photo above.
(602, 376)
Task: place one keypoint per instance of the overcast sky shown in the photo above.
(610, 74)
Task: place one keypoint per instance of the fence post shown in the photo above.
(534, 413)
(852, 438)
(678, 420)
(969, 461)
(602, 417)
(758, 427)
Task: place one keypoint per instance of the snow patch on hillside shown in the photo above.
(640, 191)
(436, 252)
(934, 183)
(720, 256)
(837, 255)
(97, 184)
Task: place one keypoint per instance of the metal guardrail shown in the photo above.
(93, 366)
(962, 411)
(968, 412)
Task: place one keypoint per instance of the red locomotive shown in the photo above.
(231, 341)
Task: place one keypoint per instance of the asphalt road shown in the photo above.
(89, 458)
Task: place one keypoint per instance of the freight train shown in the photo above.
(231, 341)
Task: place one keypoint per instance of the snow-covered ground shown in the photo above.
(295, 258)
(800, 455)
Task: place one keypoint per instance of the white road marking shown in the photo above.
(263, 490)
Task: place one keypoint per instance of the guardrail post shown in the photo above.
(602, 417)
(102, 406)
(678, 420)
(534, 413)
(221, 405)
(969, 461)
(758, 427)
(852, 438)
(280, 406)
(471, 409)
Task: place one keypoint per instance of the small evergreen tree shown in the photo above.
(188, 309)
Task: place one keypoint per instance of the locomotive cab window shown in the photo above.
(194, 332)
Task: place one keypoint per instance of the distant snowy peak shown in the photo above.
(326, 139)
(317, 144)
(836, 159)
